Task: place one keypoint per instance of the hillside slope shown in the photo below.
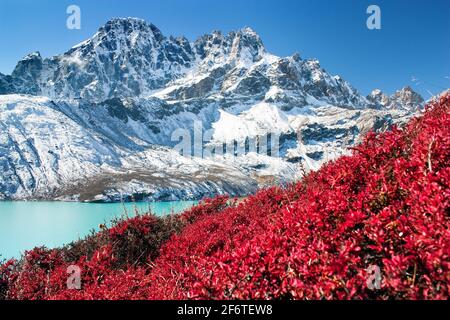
(386, 205)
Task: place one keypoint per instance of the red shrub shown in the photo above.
(112, 262)
(386, 205)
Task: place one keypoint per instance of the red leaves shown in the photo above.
(139, 224)
(387, 205)
(381, 206)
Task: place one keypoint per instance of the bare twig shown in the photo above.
(430, 168)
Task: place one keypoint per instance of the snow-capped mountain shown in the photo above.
(130, 58)
(405, 98)
(99, 121)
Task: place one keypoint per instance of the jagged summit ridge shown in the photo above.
(406, 99)
(128, 57)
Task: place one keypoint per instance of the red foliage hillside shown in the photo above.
(387, 205)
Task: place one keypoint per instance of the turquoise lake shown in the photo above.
(25, 225)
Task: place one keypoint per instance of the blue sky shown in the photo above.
(413, 40)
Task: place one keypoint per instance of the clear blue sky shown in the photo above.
(414, 39)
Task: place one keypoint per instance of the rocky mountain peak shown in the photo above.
(31, 63)
(378, 98)
(130, 58)
(246, 45)
(296, 57)
(121, 34)
(406, 99)
(26, 74)
(36, 55)
(130, 27)
(407, 93)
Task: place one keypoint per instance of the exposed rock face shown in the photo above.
(27, 73)
(378, 98)
(405, 98)
(99, 120)
(130, 58)
(5, 84)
